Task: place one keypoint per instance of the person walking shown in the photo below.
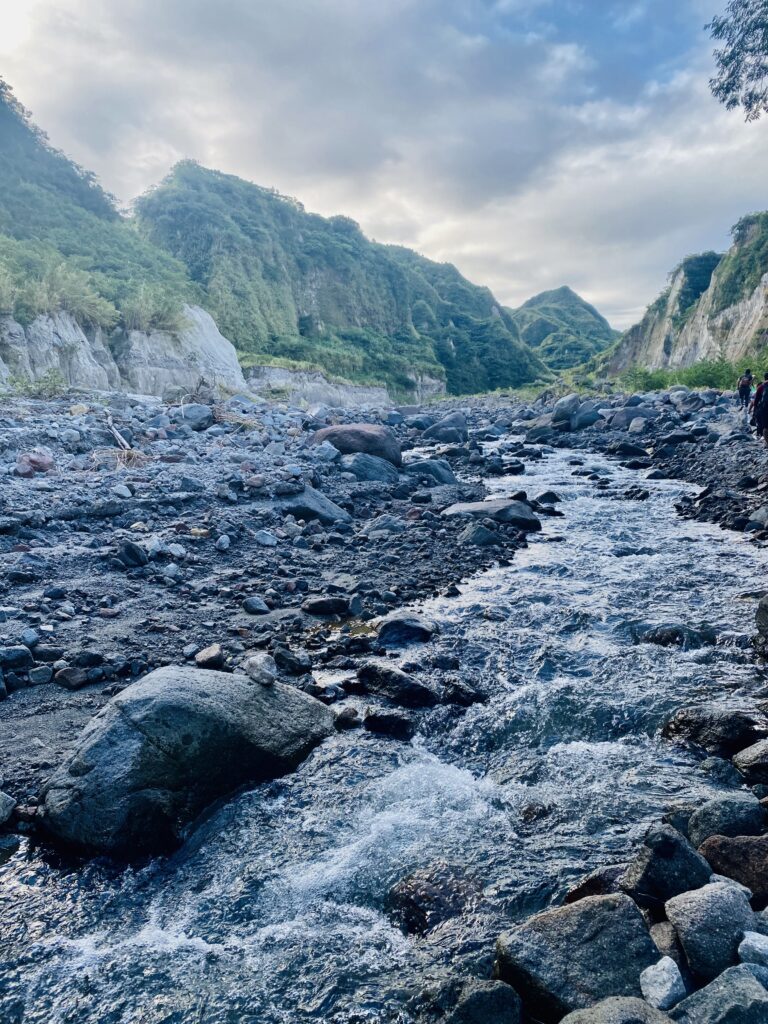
(759, 409)
(744, 388)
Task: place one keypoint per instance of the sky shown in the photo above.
(533, 143)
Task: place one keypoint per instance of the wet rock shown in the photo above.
(7, 804)
(132, 555)
(742, 858)
(665, 866)
(255, 606)
(429, 896)
(676, 634)
(565, 959)
(397, 686)
(734, 814)
(17, 657)
(324, 607)
(502, 510)
(710, 923)
(402, 627)
(396, 724)
(166, 747)
(618, 1010)
(295, 662)
(736, 997)
(368, 438)
(479, 535)
(438, 471)
(347, 718)
(600, 882)
(369, 467)
(752, 763)
(486, 1002)
(662, 984)
(718, 730)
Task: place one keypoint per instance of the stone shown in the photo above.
(617, 1010)
(265, 539)
(665, 866)
(479, 536)
(369, 438)
(397, 686)
(662, 984)
(369, 467)
(166, 747)
(735, 997)
(565, 959)
(753, 949)
(486, 1002)
(7, 804)
(401, 627)
(261, 668)
(255, 606)
(752, 762)
(451, 429)
(196, 416)
(437, 471)
(211, 657)
(710, 923)
(311, 504)
(71, 678)
(565, 408)
(502, 510)
(733, 814)
(326, 606)
(718, 730)
(17, 657)
(429, 896)
(396, 724)
(742, 858)
(132, 555)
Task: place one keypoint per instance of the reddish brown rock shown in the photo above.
(361, 437)
(743, 858)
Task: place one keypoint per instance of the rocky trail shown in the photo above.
(376, 692)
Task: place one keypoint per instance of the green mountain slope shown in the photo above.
(282, 282)
(564, 330)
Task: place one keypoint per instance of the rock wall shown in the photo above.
(141, 362)
(313, 388)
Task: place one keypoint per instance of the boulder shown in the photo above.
(583, 418)
(194, 415)
(753, 949)
(752, 762)
(438, 471)
(736, 997)
(429, 896)
(565, 408)
(710, 923)
(503, 510)
(397, 686)
(479, 536)
(618, 1010)
(742, 858)
(369, 467)
(733, 814)
(369, 438)
(662, 984)
(451, 429)
(718, 730)
(164, 748)
(401, 627)
(565, 959)
(486, 1002)
(311, 504)
(397, 724)
(665, 866)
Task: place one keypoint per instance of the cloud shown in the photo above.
(532, 143)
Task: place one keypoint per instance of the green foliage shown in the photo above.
(742, 62)
(744, 264)
(50, 385)
(709, 373)
(565, 330)
(697, 276)
(150, 308)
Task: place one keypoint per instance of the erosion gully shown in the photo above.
(275, 911)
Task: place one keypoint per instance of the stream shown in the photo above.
(275, 911)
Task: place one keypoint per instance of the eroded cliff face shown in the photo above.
(145, 363)
(714, 308)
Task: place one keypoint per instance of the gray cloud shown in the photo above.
(484, 132)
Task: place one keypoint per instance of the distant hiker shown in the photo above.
(745, 389)
(759, 409)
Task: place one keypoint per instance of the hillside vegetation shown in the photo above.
(563, 328)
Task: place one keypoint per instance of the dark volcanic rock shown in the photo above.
(430, 896)
(743, 858)
(166, 747)
(566, 959)
(397, 686)
(752, 762)
(396, 724)
(718, 730)
(369, 467)
(618, 1010)
(736, 997)
(665, 866)
(486, 1002)
(311, 504)
(733, 814)
(503, 510)
(361, 437)
(401, 628)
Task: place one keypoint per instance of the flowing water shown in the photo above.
(275, 911)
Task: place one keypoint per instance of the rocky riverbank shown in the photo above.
(184, 571)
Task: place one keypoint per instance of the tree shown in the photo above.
(742, 62)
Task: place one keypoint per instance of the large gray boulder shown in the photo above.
(451, 429)
(752, 762)
(361, 437)
(618, 1010)
(169, 745)
(312, 504)
(565, 408)
(732, 814)
(736, 997)
(437, 471)
(665, 866)
(710, 923)
(566, 959)
(503, 510)
(719, 730)
(369, 467)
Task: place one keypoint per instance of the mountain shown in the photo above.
(563, 328)
(284, 285)
(282, 282)
(715, 307)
